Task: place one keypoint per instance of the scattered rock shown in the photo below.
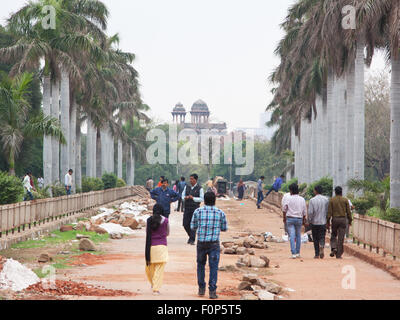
(99, 230)
(273, 288)
(256, 288)
(241, 264)
(64, 252)
(257, 262)
(86, 245)
(239, 243)
(131, 223)
(81, 236)
(81, 226)
(241, 251)
(45, 257)
(116, 235)
(249, 297)
(121, 219)
(257, 246)
(265, 295)
(229, 268)
(99, 221)
(66, 228)
(251, 252)
(228, 244)
(244, 285)
(266, 260)
(229, 251)
(250, 277)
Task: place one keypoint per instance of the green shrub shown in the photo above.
(302, 187)
(58, 190)
(11, 189)
(392, 215)
(363, 204)
(92, 184)
(121, 183)
(78, 190)
(109, 180)
(375, 212)
(285, 186)
(326, 184)
(41, 193)
(268, 187)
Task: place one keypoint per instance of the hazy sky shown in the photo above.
(220, 51)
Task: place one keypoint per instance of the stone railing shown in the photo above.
(377, 234)
(25, 214)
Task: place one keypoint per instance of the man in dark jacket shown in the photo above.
(164, 197)
(193, 195)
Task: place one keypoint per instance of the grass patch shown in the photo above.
(59, 238)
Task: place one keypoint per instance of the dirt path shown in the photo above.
(311, 279)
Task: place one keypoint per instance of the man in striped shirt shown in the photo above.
(209, 221)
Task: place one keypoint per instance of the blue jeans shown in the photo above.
(68, 189)
(294, 229)
(260, 198)
(210, 249)
(270, 190)
(28, 194)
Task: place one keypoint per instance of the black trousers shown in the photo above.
(318, 234)
(187, 218)
(180, 205)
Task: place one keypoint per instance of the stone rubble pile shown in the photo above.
(254, 288)
(15, 276)
(244, 246)
(116, 221)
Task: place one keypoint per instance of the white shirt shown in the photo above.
(68, 180)
(27, 183)
(284, 199)
(200, 199)
(295, 207)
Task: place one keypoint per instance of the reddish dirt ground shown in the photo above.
(307, 278)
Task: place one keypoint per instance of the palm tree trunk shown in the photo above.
(65, 122)
(11, 163)
(55, 143)
(97, 159)
(132, 160)
(47, 141)
(324, 135)
(89, 146)
(359, 113)
(112, 151)
(341, 134)
(119, 159)
(395, 135)
(350, 123)
(331, 122)
(104, 150)
(128, 165)
(72, 144)
(78, 164)
(335, 138)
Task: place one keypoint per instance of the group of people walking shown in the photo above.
(322, 214)
(29, 185)
(206, 222)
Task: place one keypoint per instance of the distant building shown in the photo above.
(263, 131)
(200, 115)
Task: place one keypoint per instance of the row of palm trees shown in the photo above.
(319, 99)
(86, 79)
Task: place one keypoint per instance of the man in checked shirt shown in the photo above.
(209, 221)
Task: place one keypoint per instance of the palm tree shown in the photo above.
(79, 24)
(15, 120)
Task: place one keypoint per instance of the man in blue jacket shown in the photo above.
(164, 197)
(181, 187)
(277, 185)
